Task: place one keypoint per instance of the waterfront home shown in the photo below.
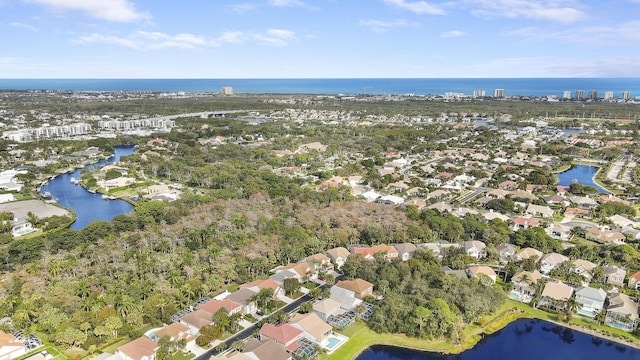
(539, 210)
(315, 329)
(555, 294)
(475, 248)
(10, 347)
(285, 335)
(614, 275)
(528, 253)
(604, 236)
(524, 285)
(141, 348)
(622, 312)
(634, 280)
(551, 261)
(338, 255)
(590, 300)
(481, 271)
(405, 250)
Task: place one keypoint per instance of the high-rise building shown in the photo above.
(626, 95)
(608, 95)
(498, 93)
(566, 95)
(593, 95)
(579, 94)
(478, 93)
(226, 90)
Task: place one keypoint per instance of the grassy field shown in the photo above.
(361, 337)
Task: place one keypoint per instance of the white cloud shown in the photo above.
(285, 3)
(418, 7)
(627, 34)
(111, 10)
(275, 37)
(143, 40)
(564, 11)
(24, 26)
(382, 26)
(244, 7)
(453, 33)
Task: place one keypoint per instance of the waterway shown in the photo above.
(582, 174)
(88, 206)
(523, 339)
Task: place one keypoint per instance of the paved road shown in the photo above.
(247, 332)
(473, 194)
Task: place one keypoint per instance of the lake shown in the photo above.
(582, 174)
(88, 206)
(523, 339)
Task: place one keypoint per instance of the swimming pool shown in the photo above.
(332, 342)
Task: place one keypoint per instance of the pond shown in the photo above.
(582, 174)
(88, 206)
(523, 339)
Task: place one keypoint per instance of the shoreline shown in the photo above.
(514, 312)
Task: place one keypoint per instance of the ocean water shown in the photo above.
(378, 86)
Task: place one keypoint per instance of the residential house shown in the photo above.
(10, 347)
(285, 335)
(555, 294)
(368, 253)
(475, 248)
(418, 203)
(499, 193)
(508, 185)
(584, 268)
(604, 236)
(610, 198)
(319, 262)
(590, 300)
(583, 202)
(141, 348)
(326, 308)
(539, 210)
(622, 221)
(315, 329)
(490, 215)
(338, 255)
(528, 253)
(360, 288)
(175, 332)
(255, 349)
(634, 280)
(244, 297)
(405, 250)
(524, 284)
(551, 261)
(302, 271)
(524, 195)
(576, 212)
(461, 274)
(622, 312)
(258, 285)
(196, 320)
(506, 252)
(390, 200)
(479, 271)
(556, 200)
(213, 306)
(559, 231)
(520, 222)
(614, 275)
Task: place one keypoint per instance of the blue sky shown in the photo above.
(318, 38)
